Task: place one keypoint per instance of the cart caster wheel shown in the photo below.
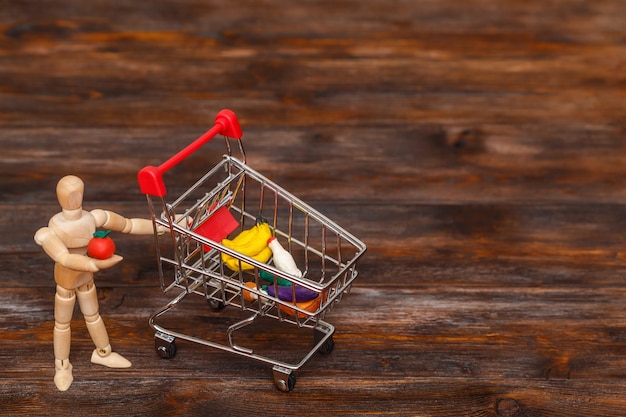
(166, 349)
(216, 304)
(284, 379)
(327, 346)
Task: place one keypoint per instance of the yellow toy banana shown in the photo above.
(252, 243)
(233, 263)
(242, 238)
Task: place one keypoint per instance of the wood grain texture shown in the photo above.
(477, 148)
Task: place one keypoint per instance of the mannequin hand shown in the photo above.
(107, 263)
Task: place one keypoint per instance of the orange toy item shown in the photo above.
(310, 306)
(249, 295)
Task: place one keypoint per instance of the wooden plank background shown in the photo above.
(478, 148)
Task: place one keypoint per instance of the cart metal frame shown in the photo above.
(327, 252)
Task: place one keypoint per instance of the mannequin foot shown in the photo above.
(111, 359)
(63, 375)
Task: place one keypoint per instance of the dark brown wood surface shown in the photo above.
(478, 148)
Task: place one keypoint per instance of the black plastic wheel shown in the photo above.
(288, 384)
(164, 349)
(216, 304)
(327, 346)
(291, 381)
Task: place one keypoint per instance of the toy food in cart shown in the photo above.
(219, 225)
(310, 306)
(286, 293)
(250, 242)
(266, 276)
(282, 258)
(249, 295)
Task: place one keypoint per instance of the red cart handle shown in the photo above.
(151, 178)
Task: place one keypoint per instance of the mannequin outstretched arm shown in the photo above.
(118, 223)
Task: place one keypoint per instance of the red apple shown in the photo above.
(101, 246)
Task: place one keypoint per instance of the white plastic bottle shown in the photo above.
(282, 258)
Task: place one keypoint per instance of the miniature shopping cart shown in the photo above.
(228, 199)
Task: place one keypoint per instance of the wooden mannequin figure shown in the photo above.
(65, 240)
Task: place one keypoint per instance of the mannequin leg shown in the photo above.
(102, 354)
(64, 301)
